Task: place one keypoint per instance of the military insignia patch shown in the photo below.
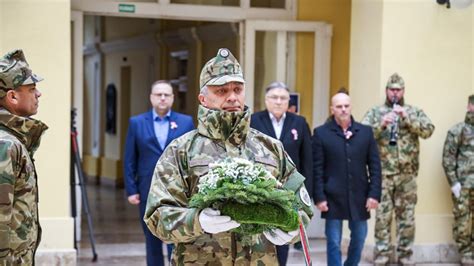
(304, 196)
(224, 53)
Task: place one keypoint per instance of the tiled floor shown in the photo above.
(120, 241)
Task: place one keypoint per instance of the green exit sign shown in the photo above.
(126, 8)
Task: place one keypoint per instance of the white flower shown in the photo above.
(233, 169)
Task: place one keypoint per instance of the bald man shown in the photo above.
(347, 176)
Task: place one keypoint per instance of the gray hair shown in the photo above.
(204, 90)
(276, 84)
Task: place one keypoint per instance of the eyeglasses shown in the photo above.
(159, 95)
(276, 97)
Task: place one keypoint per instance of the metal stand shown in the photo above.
(76, 163)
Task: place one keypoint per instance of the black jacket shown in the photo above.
(296, 139)
(346, 171)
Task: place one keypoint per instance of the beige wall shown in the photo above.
(431, 47)
(42, 30)
(365, 59)
(338, 14)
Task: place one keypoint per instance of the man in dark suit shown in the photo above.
(292, 130)
(347, 176)
(148, 135)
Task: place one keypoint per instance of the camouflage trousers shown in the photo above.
(25, 258)
(398, 199)
(463, 227)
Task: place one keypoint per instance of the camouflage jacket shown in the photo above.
(404, 156)
(458, 153)
(219, 135)
(19, 224)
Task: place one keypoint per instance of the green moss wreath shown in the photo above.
(249, 195)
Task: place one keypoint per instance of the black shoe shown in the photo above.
(298, 246)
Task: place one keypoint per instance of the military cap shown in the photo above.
(222, 69)
(15, 71)
(471, 99)
(395, 82)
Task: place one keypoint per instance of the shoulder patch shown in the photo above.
(304, 196)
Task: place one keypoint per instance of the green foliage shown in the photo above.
(258, 206)
(258, 214)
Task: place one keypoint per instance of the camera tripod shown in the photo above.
(76, 164)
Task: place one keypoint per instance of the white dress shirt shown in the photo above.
(277, 125)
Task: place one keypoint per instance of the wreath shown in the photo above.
(249, 194)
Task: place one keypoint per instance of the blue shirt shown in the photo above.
(161, 126)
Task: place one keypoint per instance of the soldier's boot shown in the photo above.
(381, 261)
(467, 261)
(407, 261)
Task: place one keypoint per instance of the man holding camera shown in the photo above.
(397, 128)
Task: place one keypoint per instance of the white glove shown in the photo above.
(456, 189)
(279, 237)
(213, 222)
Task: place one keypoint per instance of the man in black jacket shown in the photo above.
(292, 130)
(347, 180)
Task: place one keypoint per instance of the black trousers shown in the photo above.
(282, 254)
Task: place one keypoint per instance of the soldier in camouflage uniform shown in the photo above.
(20, 135)
(458, 164)
(203, 236)
(400, 163)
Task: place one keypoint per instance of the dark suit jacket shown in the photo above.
(346, 171)
(142, 149)
(296, 144)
